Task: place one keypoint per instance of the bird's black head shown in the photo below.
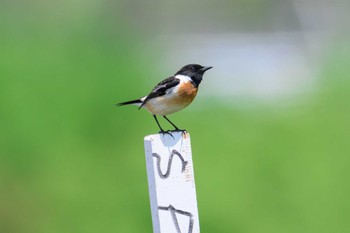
(194, 71)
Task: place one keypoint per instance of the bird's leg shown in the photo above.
(161, 129)
(176, 128)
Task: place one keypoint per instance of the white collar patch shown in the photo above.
(183, 78)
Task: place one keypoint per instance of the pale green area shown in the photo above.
(72, 162)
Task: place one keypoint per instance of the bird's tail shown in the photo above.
(137, 102)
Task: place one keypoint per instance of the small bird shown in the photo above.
(172, 94)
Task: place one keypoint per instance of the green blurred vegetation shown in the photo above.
(72, 162)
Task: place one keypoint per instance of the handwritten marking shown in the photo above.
(167, 173)
(173, 213)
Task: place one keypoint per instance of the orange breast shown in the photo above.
(173, 102)
(187, 92)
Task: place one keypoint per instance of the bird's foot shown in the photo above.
(178, 130)
(183, 131)
(166, 132)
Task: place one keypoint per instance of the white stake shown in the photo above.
(171, 183)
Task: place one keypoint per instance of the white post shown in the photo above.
(171, 183)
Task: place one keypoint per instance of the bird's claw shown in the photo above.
(178, 130)
(167, 132)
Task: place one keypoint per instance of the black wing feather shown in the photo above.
(161, 88)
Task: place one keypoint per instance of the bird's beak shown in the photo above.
(205, 68)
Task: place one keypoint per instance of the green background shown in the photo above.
(72, 162)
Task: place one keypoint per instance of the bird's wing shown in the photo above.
(161, 88)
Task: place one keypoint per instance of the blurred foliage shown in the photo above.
(72, 162)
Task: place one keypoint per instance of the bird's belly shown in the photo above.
(168, 104)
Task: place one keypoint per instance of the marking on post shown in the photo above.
(167, 173)
(173, 212)
(171, 183)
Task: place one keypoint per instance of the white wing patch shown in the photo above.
(183, 78)
(164, 105)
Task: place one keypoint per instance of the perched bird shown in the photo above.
(172, 94)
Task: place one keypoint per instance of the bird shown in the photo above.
(172, 94)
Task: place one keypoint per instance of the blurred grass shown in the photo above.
(72, 162)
